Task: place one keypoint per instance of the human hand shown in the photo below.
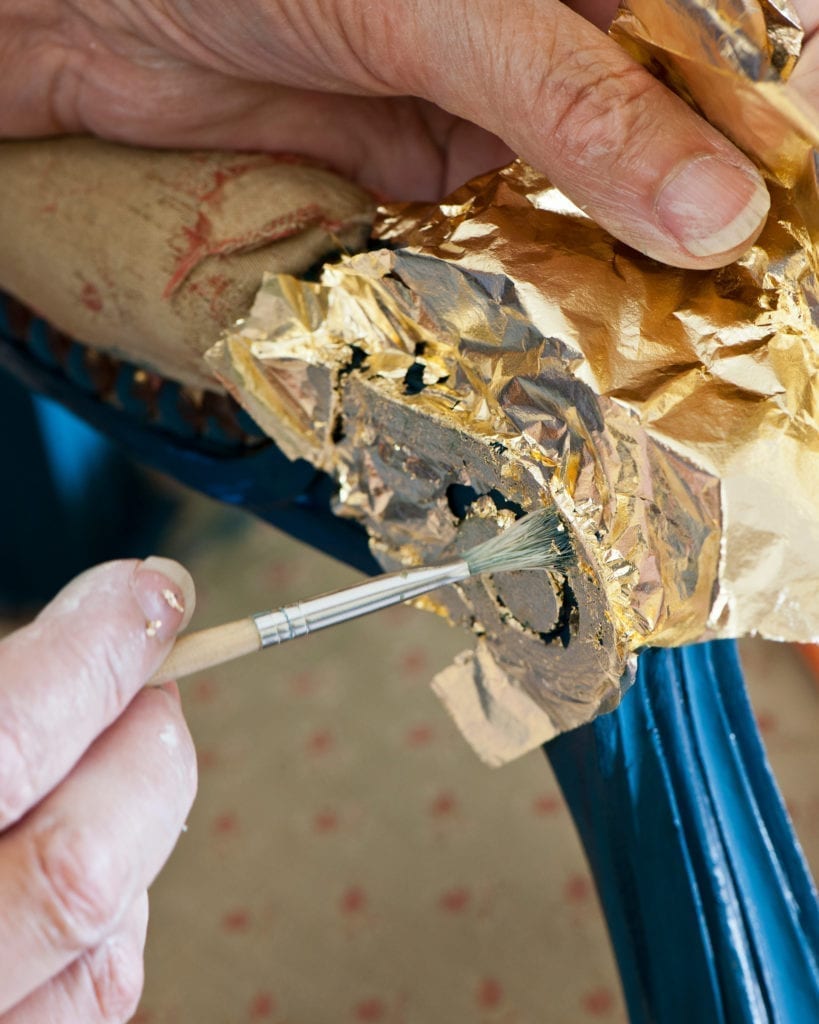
(408, 98)
(96, 778)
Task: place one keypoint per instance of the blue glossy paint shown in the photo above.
(291, 495)
(711, 908)
(76, 453)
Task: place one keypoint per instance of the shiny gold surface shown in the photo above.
(504, 352)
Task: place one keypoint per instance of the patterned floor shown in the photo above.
(349, 860)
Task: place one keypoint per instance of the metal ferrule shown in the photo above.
(352, 602)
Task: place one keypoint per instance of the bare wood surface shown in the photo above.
(194, 652)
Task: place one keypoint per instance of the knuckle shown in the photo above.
(17, 786)
(99, 666)
(340, 40)
(596, 112)
(116, 976)
(78, 895)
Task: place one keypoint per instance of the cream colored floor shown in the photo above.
(348, 859)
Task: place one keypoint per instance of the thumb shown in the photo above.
(70, 673)
(572, 103)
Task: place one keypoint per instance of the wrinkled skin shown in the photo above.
(97, 776)
(410, 98)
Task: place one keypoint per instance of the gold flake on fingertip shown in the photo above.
(152, 627)
(173, 601)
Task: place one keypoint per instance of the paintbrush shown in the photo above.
(536, 541)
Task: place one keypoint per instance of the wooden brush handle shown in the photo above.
(206, 648)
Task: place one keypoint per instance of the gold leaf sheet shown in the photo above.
(502, 351)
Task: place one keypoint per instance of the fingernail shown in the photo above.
(712, 206)
(165, 592)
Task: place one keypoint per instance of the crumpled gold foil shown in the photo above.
(502, 351)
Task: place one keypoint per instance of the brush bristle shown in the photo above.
(539, 540)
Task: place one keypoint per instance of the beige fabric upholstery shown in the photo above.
(149, 254)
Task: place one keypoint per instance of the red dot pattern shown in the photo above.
(415, 661)
(370, 1010)
(443, 806)
(226, 824)
(349, 861)
(325, 821)
(598, 1002)
(455, 900)
(320, 742)
(490, 993)
(236, 920)
(419, 735)
(578, 889)
(262, 1006)
(547, 804)
(353, 901)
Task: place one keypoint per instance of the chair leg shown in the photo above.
(70, 499)
(709, 902)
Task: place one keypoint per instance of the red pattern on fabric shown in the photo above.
(199, 240)
(90, 297)
(212, 290)
(221, 176)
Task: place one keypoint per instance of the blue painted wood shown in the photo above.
(82, 502)
(289, 494)
(710, 905)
